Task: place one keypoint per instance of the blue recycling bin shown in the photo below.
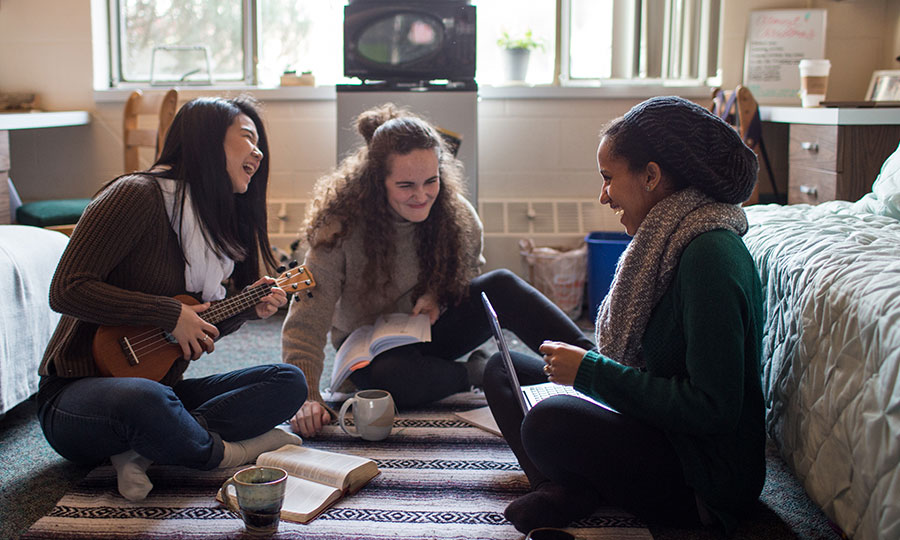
(604, 250)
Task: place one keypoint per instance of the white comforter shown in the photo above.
(28, 258)
(832, 354)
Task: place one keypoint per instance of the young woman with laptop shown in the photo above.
(679, 342)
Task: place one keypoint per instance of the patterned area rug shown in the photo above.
(440, 478)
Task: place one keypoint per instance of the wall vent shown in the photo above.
(502, 218)
(549, 217)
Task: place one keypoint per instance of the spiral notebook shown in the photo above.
(528, 395)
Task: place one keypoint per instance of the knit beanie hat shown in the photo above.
(696, 146)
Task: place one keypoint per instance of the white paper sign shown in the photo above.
(777, 39)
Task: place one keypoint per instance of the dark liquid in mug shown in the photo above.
(264, 519)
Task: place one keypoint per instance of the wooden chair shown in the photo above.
(145, 123)
(740, 109)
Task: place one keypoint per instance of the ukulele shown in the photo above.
(148, 352)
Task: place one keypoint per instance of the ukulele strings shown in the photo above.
(152, 340)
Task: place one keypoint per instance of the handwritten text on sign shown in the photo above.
(776, 42)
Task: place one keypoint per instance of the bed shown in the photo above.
(831, 276)
(28, 258)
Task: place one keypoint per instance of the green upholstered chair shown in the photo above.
(51, 213)
(160, 107)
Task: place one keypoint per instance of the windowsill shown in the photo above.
(327, 93)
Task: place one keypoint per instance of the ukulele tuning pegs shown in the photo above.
(309, 294)
(281, 269)
(293, 264)
(296, 299)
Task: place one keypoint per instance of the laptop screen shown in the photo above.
(504, 351)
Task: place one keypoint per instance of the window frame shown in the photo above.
(249, 45)
(626, 66)
(637, 30)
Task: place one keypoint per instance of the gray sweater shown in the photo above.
(339, 282)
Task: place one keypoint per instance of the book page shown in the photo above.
(319, 466)
(353, 353)
(396, 329)
(303, 500)
(480, 418)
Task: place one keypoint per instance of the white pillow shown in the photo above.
(884, 199)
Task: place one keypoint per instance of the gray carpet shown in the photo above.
(34, 478)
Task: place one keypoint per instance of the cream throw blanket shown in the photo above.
(204, 271)
(646, 268)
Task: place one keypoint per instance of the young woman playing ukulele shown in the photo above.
(195, 219)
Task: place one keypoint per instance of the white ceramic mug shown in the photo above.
(373, 414)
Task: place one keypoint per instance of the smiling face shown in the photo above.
(242, 157)
(624, 190)
(413, 183)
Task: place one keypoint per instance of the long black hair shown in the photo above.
(234, 224)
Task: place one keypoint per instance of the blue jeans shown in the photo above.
(424, 372)
(93, 418)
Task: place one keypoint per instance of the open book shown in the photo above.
(367, 342)
(316, 478)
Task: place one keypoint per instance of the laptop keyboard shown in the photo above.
(539, 392)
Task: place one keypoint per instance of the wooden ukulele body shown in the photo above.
(137, 351)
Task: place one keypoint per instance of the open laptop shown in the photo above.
(528, 396)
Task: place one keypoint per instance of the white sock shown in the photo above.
(241, 452)
(131, 469)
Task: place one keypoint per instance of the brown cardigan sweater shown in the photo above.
(122, 266)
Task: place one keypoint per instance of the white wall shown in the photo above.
(528, 148)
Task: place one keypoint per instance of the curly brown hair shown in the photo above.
(354, 195)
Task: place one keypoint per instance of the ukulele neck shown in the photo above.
(233, 305)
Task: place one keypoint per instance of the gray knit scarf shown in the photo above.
(646, 268)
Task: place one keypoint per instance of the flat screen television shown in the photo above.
(409, 40)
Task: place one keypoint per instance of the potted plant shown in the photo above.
(518, 50)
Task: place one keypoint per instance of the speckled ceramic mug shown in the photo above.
(260, 494)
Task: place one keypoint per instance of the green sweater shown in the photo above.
(701, 385)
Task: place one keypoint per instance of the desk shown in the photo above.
(834, 153)
(34, 120)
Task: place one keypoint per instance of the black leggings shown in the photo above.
(576, 444)
(424, 372)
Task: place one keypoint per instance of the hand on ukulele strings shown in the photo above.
(193, 333)
(561, 361)
(268, 305)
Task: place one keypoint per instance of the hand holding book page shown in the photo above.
(366, 342)
(316, 478)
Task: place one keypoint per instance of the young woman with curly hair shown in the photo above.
(391, 231)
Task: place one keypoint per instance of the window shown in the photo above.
(174, 38)
(581, 41)
(635, 40)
